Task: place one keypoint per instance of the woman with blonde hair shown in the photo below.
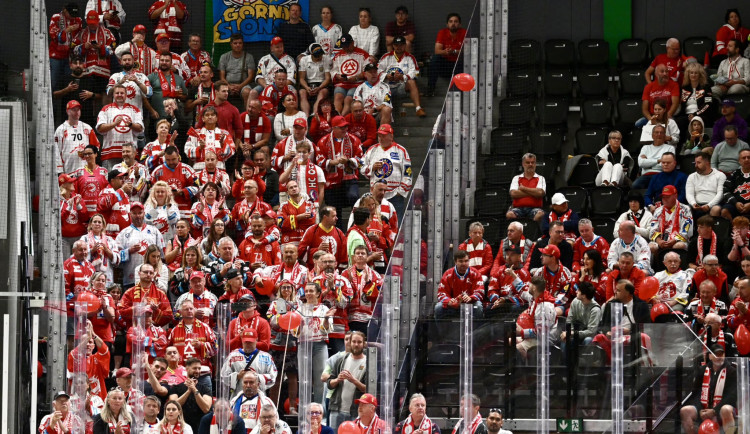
(161, 272)
(161, 210)
(174, 421)
(116, 417)
(695, 97)
(104, 252)
(153, 153)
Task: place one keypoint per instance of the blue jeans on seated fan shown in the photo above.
(640, 123)
(642, 182)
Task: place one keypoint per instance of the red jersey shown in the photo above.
(181, 178)
(256, 322)
(675, 66)
(167, 21)
(451, 41)
(654, 91)
(97, 369)
(293, 227)
(195, 61)
(235, 297)
(365, 129)
(735, 318)
(254, 129)
(319, 127)
(90, 184)
(228, 115)
(59, 39)
(339, 296)
(102, 327)
(273, 96)
(724, 34)
(636, 276)
(197, 340)
(314, 236)
(239, 185)
(536, 181)
(560, 285)
(243, 210)
(366, 287)
(73, 216)
(502, 286)
(329, 148)
(115, 207)
(152, 295)
(580, 247)
(480, 256)
(96, 58)
(264, 253)
(76, 275)
(453, 285)
(155, 342)
(219, 177)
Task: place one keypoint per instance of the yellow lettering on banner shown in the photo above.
(230, 14)
(261, 10)
(246, 11)
(277, 12)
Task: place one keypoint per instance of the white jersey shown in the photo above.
(639, 248)
(285, 146)
(367, 39)
(133, 93)
(259, 361)
(138, 176)
(249, 409)
(70, 140)
(373, 95)
(268, 65)
(386, 209)
(315, 72)
(674, 286)
(145, 57)
(132, 236)
(396, 170)
(121, 133)
(327, 37)
(406, 65)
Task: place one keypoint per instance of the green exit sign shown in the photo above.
(569, 425)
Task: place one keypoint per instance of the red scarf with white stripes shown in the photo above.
(718, 389)
(356, 229)
(168, 87)
(674, 225)
(699, 258)
(176, 429)
(562, 218)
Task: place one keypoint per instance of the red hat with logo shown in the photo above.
(669, 190)
(300, 122)
(277, 40)
(64, 178)
(550, 250)
(136, 204)
(92, 17)
(72, 104)
(197, 275)
(162, 36)
(249, 335)
(139, 28)
(385, 129)
(123, 372)
(367, 399)
(339, 122)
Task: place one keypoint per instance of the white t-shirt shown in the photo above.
(357, 368)
(315, 71)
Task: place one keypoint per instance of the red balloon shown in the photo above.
(286, 405)
(91, 300)
(290, 320)
(525, 321)
(742, 338)
(649, 288)
(348, 427)
(708, 427)
(266, 286)
(464, 81)
(659, 310)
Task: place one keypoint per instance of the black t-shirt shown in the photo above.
(97, 85)
(271, 195)
(297, 37)
(190, 410)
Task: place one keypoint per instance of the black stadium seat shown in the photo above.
(491, 201)
(499, 171)
(658, 46)
(629, 110)
(516, 111)
(590, 140)
(559, 53)
(593, 52)
(632, 82)
(686, 163)
(558, 82)
(593, 82)
(605, 201)
(531, 229)
(585, 172)
(698, 47)
(553, 112)
(525, 53)
(632, 53)
(546, 142)
(742, 103)
(604, 227)
(508, 141)
(596, 112)
(577, 198)
(523, 83)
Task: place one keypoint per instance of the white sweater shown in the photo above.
(649, 155)
(367, 39)
(705, 189)
(673, 131)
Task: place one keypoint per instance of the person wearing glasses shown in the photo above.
(711, 271)
(315, 419)
(614, 161)
(495, 422)
(417, 422)
(270, 423)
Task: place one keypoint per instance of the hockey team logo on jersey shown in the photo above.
(123, 127)
(350, 67)
(393, 70)
(386, 170)
(130, 92)
(744, 190)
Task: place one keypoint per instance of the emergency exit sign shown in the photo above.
(569, 425)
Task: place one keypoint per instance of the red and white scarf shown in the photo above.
(247, 128)
(91, 240)
(561, 218)
(176, 429)
(124, 427)
(346, 147)
(144, 58)
(168, 88)
(719, 340)
(199, 95)
(718, 389)
(168, 20)
(671, 228)
(711, 309)
(368, 429)
(356, 229)
(311, 180)
(293, 276)
(425, 425)
(699, 258)
(474, 425)
(214, 429)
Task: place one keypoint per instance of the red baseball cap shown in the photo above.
(62, 179)
(300, 122)
(123, 372)
(270, 214)
(92, 17)
(197, 274)
(162, 36)
(668, 190)
(551, 250)
(339, 121)
(72, 104)
(367, 399)
(139, 28)
(385, 129)
(136, 204)
(249, 336)
(277, 40)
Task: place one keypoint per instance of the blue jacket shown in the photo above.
(660, 180)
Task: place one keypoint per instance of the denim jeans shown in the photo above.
(337, 418)
(318, 358)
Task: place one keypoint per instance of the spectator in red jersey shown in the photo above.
(479, 250)
(103, 318)
(460, 284)
(625, 270)
(362, 125)
(114, 204)
(193, 337)
(255, 250)
(323, 236)
(447, 46)
(672, 59)
(733, 29)
(503, 295)
(146, 291)
(96, 364)
(169, 16)
(180, 177)
(249, 318)
(366, 284)
(73, 212)
(228, 115)
(91, 179)
(739, 311)
(275, 92)
(514, 237)
(296, 215)
(155, 342)
(249, 172)
(588, 240)
(527, 190)
(77, 271)
(593, 270)
(711, 271)
(95, 44)
(251, 204)
(212, 173)
(256, 130)
(560, 211)
(661, 88)
(320, 122)
(62, 27)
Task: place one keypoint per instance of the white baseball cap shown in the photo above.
(558, 199)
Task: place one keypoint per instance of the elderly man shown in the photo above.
(362, 125)
(629, 241)
(479, 250)
(733, 76)
(624, 269)
(390, 162)
(729, 116)
(459, 284)
(669, 175)
(704, 189)
(739, 312)
(71, 137)
(513, 237)
(270, 422)
(674, 283)
(417, 419)
(726, 154)
(672, 225)
(557, 238)
(650, 157)
(367, 419)
(193, 337)
(587, 241)
(248, 404)
(560, 211)
(706, 304)
(711, 271)
(672, 59)
(221, 266)
(527, 190)
(715, 322)
(502, 288)
(662, 87)
(714, 394)
(634, 311)
(290, 269)
(62, 420)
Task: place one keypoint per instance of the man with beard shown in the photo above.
(247, 404)
(244, 210)
(365, 283)
(95, 44)
(71, 137)
(203, 89)
(178, 65)
(144, 57)
(336, 292)
(362, 125)
(119, 123)
(133, 242)
(221, 414)
(256, 130)
(255, 249)
(556, 238)
(192, 337)
(136, 84)
(310, 178)
(193, 395)
(733, 75)
(417, 422)
(323, 236)
(289, 269)
(136, 174)
(147, 292)
(166, 84)
(348, 381)
(114, 203)
(180, 177)
(296, 215)
(276, 60)
(495, 422)
(447, 46)
(262, 160)
(82, 87)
